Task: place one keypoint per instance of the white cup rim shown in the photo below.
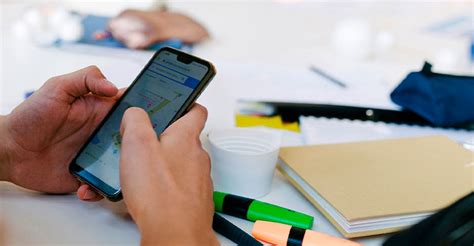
(234, 136)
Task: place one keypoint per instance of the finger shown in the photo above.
(124, 24)
(83, 81)
(139, 143)
(130, 30)
(103, 107)
(86, 193)
(138, 40)
(136, 122)
(133, 40)
(138, 136)
(190, 125)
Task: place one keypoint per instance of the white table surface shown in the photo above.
(277, 36)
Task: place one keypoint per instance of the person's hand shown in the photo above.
(139, 29)
(42, 135)
(166, 182)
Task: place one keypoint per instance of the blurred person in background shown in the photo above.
(138, 29)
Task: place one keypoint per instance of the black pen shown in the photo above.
(232, 232)
(327, 76)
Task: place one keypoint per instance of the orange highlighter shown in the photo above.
(281, 234)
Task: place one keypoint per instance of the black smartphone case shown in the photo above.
(453, 225)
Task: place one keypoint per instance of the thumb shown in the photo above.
(135, 125)
(81, 82)
(189, 126)
(139, 144)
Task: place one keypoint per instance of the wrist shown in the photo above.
(176, 231)
(179, 236)
(5, 155)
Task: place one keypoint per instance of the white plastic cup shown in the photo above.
(243, 160)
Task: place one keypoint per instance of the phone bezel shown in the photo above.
(103, 188)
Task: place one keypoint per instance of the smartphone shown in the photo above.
(166, 89)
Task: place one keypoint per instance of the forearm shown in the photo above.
(4, 155)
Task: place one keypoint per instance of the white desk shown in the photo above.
(246, 36)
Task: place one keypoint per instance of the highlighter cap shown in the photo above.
(278, 234)
(271, 232)
(219, 200)
(268, 212)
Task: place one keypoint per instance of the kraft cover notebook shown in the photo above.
(376, 187)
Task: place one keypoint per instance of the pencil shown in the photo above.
(327, 76)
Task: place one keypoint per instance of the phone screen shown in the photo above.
(161, 90)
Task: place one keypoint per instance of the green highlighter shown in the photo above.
(251, 209)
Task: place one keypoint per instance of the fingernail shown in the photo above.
(89, 195)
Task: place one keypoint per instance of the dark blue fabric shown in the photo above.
(444, 100)
(94, 23)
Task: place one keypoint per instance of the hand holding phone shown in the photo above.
(166, 182)
(42, 134)
(166, 88)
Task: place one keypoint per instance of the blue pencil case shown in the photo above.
(444, 100)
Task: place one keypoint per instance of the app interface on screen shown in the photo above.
(161, 91)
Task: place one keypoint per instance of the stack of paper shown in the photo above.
(325, 131)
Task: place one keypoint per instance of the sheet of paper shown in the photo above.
(326, 131)
(266, 82)
(454, 26)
